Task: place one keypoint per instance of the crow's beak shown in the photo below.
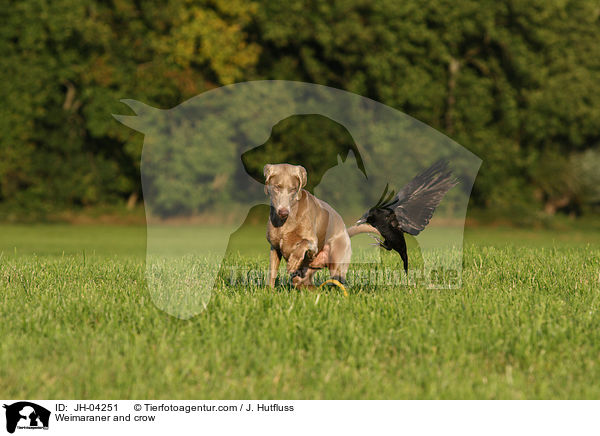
(362, 220)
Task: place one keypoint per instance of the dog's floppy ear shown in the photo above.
(268, 172)
(301, 178)
(301, 175)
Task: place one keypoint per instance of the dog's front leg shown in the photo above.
(274, 259)
(303, 249)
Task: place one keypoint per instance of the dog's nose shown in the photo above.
(283, 213)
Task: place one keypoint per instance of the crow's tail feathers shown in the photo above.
(362, 228)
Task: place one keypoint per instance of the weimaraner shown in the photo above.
(307, 232)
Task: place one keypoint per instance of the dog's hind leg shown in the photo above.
(339, 258)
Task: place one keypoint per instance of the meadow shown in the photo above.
(76, 321)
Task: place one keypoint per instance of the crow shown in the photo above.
(410, 210)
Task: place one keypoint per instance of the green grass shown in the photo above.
(77, 321)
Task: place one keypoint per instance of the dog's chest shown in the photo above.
(284, 238)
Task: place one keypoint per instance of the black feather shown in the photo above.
(411, 209)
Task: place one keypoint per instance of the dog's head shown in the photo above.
(284, 183)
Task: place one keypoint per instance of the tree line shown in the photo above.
(516, 82)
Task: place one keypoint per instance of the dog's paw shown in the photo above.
(320, 260)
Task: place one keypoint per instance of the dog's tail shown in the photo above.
(362, 228)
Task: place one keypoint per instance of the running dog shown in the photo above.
(307, 232)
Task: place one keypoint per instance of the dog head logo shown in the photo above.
(26, 415)
(341, 184)
(192, 165)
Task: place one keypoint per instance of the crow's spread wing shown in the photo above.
(415, 203)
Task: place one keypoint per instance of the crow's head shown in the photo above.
(382, 212)
(378, 218)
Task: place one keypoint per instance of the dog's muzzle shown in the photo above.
(283, 213)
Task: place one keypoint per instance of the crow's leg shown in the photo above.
(380, 242)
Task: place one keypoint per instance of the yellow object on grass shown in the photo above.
(337, 283)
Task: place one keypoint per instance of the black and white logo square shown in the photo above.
(26, 415)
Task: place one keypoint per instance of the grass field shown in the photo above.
(77, 322)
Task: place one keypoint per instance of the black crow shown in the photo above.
(411, 209)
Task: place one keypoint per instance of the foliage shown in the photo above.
(584, 167)
(515, 81)
(508, 80)
(66, 64)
